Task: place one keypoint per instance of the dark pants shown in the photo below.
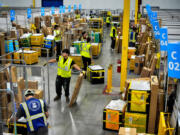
(41, 131)
(113, 42)
(62, 82)
(131, 44)
(86, 62)
(58, 49)
(108, 24)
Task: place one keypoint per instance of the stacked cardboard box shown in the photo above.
(139, 63)
(48, 21)
(145, 72)
(2, 45)
(37, 21)
(127, 131)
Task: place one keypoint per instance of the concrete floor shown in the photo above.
(85, 117)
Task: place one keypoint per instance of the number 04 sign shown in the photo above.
(174, 60)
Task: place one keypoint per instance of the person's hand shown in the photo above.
(83, 72)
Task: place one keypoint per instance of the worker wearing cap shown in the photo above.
(113, 35)
(108, 21)
(57, 35)
(132, 37)
(65, 65)
(86, 53)
(35, 112)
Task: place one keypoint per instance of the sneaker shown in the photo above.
(67, 99)
(57, 98)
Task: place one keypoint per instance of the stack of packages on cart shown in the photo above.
(141, 105)
(18, 86)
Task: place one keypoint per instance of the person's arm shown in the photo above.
(46, 110)
(52, 61)
(20, 113)
(76, 67)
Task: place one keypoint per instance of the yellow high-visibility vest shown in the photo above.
(112, 29)
(64, 68)
(85, 50)
(78, 16)
(59, 37)
(107, 19)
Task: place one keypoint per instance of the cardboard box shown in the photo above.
(21, 87)
(13, 34)
(145, 72)
(127, 131)
(14, 74)
(139, 63)
(2, 47)
(37, 21)
(56, 19)
(2, 76)
(38, 94)
(153, 104)
(32, 84)
(49, 31)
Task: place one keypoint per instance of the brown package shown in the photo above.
(127, 131)
(153, 104)
(32, 84)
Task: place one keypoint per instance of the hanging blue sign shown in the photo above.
(12, 15)
(42, 12)
(173, 50)
(69, 8)
(53, 10)
(153, 17)
(80, 6)
(64, 9)
(163, 39)
(155, 25)
(75, 6)
(61, 9)
(28, 13)
(148, 8)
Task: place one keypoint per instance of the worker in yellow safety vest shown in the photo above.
(132, 37)
(58, 41)
(78, 16)
(108, 21)
(86, 53)
(35, 112)
(65, 65)
(83, 36)
(113, 35)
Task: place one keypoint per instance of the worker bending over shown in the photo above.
(65, 65)
(86, 53)
(113, 35)
(57, 35)
(35, 112)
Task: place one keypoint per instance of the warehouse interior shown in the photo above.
(130, 87)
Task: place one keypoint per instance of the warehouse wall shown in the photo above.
(98, 4)
(20, 3)
(163, 4)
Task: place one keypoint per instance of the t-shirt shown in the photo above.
(72, 63)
